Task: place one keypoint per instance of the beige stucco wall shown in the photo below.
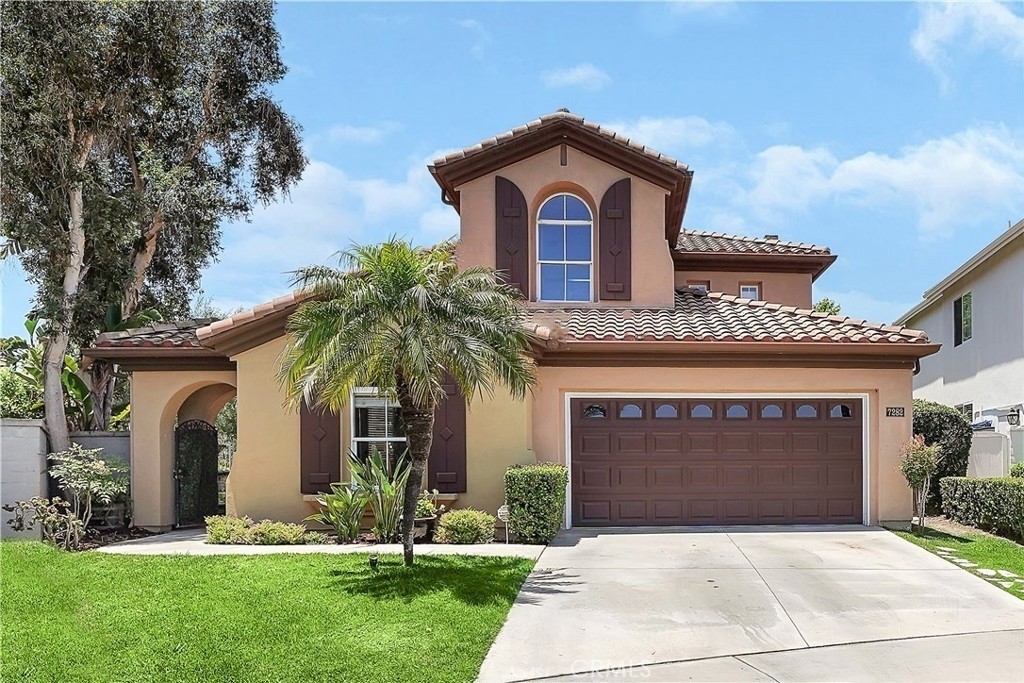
(157, 397)
(890, 498)
(790, 289)
(542, 175)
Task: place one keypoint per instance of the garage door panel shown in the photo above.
(631, 476)
(775, 461)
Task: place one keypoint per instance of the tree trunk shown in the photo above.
(419, 432)
(101, 387)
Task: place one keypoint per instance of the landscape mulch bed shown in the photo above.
(96, 538)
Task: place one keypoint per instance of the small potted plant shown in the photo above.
(427, 512)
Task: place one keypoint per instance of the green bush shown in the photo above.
(464, 527)
(993, 504)
(18, 398)
(535, 495)
(945, 427)
(1017, 470)
(342, 509)
(224, 530)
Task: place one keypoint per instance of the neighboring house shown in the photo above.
(673, 391)
(977, 314)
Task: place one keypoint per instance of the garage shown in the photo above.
(715, 461)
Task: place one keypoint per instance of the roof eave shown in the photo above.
(814, 264)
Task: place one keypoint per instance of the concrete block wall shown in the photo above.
(22, 466)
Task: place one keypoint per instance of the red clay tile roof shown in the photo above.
(549, 119)
(714, 317)
(179, 334)
(720, 243)
(278, 305)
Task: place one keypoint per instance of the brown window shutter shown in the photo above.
(512, 234)
(446, 465)
(319, 449)
(615, 242)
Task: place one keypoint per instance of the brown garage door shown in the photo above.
(713, 461)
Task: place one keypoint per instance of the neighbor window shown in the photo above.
(376, 423)
(700, 285)
(962, 319)
(750, 290)
(967, 410)
(564, 250)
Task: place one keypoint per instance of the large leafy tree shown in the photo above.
(131, 131)
(402, 319)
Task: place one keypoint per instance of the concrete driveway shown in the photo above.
(755, 604)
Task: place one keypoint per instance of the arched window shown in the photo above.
(771, 411)
(630, 410)
(565, 229)
(666, 411)
(701, 411)
(737, 411)
(806, 411)
(594, 411)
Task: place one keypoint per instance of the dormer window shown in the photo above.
(565, 229)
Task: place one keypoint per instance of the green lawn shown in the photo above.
(115, 618)
(988, 552)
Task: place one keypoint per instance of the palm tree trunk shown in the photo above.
(419, 432)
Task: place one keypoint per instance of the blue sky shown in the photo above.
(891, 132)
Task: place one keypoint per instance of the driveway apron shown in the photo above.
(739, 603)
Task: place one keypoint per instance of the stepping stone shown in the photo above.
(945, 549)
(1007, 574)
(987, 572)
(1005, 584)
(968, 565)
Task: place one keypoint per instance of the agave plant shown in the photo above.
(385, 487)
(342, 509)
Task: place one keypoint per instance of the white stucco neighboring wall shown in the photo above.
(22, 467)
(988, 369)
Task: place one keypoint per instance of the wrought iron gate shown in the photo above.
(195, 471)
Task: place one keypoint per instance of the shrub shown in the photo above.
(223, 530)
(427, 505)
(1017, 470)
(386, 489)
(342, 509)
(316, 538)
(535, 495)
(88, 478)
(991, 503)
(947, 428)
(918, 463)
(465, 526)
(58, 523)
(18, 397)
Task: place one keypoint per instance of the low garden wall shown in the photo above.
(22, 467)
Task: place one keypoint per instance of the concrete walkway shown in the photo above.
(755, 604)
(193, 542)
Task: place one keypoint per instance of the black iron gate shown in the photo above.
(195, 470)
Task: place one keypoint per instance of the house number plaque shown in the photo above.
(895, 411)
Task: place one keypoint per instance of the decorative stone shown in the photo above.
(945, 549)
(987, 572)
(968, 565)
(1007, 574)
(1005, 584)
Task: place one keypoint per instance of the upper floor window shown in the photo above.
(699, 285)
(565, 229)
(750, 290)
(962, 319)
(967, 410)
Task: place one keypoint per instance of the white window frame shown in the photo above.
(966, 334)
(700, 285)
(755, 286)
(370, 392)
(540, 263)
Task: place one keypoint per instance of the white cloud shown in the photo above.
(326, 212)
(585, 75)
(674, 133)
(363, 135)
(483, 36)
(980, 25)
(946, 181)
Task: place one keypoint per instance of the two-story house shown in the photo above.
(977, 314)
(681, 376)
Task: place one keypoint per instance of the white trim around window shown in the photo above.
(368, 397)
(572, 269)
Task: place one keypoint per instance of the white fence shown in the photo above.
(22, 466)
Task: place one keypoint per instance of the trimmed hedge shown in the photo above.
(946, 427)
(1017, 470)
(991, 503)
(535, 495)
(224, 530)
(465, 526)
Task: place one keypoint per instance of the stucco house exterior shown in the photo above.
(681, 376)
(977, 314)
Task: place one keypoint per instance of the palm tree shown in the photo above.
(402, 319)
